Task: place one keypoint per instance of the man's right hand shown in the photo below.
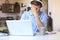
(34, 10)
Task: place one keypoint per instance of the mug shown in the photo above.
(42, 31)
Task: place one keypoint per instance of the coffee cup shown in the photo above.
(42, 30)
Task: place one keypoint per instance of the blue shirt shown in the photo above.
(28, 15)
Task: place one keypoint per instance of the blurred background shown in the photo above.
(13, 9)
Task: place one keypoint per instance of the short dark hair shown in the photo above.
(36, 3)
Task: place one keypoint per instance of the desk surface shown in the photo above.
(37, 37)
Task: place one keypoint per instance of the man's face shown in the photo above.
(37, 7)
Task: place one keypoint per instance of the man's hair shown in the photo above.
(36, 3)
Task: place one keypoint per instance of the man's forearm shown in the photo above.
(38, 21)
(35, 13)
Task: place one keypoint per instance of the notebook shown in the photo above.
(20, 27)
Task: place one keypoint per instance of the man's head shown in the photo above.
(36, 4)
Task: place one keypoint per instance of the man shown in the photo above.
(38, 18)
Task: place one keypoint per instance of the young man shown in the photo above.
(38, 18)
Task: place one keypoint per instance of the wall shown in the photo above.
(2, 1)
(11, 1)
(54, 8)
(45, 5)
(27, 2)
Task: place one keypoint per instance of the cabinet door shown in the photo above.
(7, 8)
(4, 8)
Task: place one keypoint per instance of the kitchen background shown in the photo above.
(14, 14)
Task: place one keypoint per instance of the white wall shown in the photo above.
(54, 8)
(10, 1)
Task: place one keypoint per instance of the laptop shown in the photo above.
(19, 27)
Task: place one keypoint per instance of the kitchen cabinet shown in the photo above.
(9, 8)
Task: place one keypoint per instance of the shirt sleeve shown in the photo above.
(44, 19)
(24, 16)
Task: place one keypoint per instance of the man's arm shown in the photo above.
(38, 21)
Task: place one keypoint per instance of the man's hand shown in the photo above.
(34, 10)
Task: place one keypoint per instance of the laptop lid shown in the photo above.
(19, 27)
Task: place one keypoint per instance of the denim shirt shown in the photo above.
(28, 15)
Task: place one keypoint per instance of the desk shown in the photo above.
(37, 37)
